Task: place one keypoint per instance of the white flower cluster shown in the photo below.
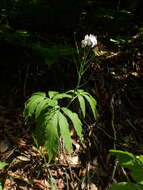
(89, 40)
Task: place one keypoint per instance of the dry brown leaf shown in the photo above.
(23, 158)
(42, 184)
(93, 187)
(60, 184)
(8, 184)
(82, 172)
(73, 160)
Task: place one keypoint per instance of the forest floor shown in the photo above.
(116, 84)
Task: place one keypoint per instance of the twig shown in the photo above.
(112, 119)
(124, 172)
(67, 181)
(88, 177)
(114, 169)
(114, 132)
(109, 136)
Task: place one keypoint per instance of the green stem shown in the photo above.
(83, 67)
(71, 101)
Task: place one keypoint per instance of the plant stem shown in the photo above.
(83, 67)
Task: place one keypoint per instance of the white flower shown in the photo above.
(89, 40)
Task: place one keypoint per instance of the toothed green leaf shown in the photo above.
(39, 131)
(61, 96)
(56, 95)
(52, 93)
(43, 104)
(82, 104)
(32, 103)
(51, 135)
(91, 101)
(75, 120)
(78, 91)
(65, 132)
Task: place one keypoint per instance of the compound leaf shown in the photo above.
(134, 163)
(126, 159)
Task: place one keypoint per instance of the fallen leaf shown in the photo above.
(93, 187)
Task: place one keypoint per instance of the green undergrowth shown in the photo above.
(134, 166)
(53, 120)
